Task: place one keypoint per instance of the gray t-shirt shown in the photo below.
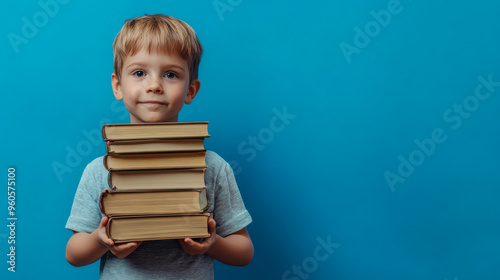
(163, 259)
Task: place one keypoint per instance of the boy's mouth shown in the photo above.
(153, 103)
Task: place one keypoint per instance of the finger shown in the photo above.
(184, 245)
(108, 241)
(101, 232)
(125, 246)
(211, 226)
(195, 245)
(190, 242)
(133, 246)
(122, 254)
(128, 251)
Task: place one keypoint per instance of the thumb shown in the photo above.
(102, 232)
(104, 221)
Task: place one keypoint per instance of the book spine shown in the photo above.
(108, 147)
(103, 132)
(110, 181)
(108, 228)
(101, 200)
(105, 162)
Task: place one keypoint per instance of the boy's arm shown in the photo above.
(234, 249)
(86, 248)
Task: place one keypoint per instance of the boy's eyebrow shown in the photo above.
(140, 64)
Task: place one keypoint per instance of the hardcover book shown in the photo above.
(162, 130)
(172, 201)
(142, 228)
(155, 161)
(157, 179)
(155, 146)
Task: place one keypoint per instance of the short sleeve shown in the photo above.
(230, 213)
(85, 213)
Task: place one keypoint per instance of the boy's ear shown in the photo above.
(117, 87)
(192, 91)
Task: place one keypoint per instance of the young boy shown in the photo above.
(156, 60)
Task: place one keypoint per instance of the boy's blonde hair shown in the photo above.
(158, 33)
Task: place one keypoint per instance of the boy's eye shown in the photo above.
(139, 73)
(170, 75)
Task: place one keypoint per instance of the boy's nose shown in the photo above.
(154, 86)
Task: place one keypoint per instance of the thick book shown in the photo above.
(172, 201)
(155, 146)
(157, 179)
(157, 227)
(155, 161)
(161, 130)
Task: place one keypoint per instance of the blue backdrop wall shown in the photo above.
(363, 134)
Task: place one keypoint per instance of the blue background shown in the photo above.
(321, 177)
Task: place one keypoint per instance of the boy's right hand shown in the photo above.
(119, 250)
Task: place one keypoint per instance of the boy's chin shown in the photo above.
(151, 119)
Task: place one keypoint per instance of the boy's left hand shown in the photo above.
(194, 248)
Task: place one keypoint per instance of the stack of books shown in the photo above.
(156, 181)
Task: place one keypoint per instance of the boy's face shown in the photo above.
(154, 86)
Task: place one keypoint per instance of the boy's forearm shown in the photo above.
(234, 249)
(84, 248)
